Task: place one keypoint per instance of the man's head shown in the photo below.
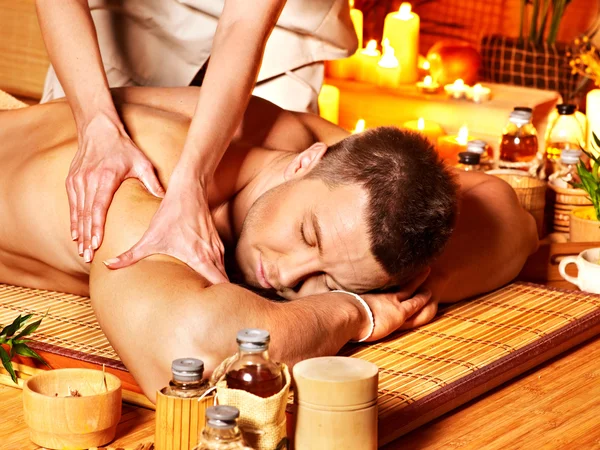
(381, 205)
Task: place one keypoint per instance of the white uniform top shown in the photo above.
(166, 42)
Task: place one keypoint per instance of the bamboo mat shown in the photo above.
(469, 349)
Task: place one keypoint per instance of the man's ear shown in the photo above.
(304, 162)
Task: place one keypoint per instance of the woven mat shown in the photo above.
(470, 348)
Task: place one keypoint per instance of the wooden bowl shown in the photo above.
(58, 420)
(583, 229)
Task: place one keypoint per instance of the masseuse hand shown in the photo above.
(106, 156)
(183, 228)
(404, 308)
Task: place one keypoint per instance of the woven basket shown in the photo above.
(561, 201)
(531, 193)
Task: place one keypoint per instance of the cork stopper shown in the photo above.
(336, 382)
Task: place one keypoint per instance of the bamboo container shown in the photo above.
(583, 229)
(58, 420)
(336, 404)
(564, 201)
(179, 421)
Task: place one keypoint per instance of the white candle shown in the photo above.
(402, 30)
(428, 85)
(367, 63)
(457, 89)
(388, 69)
(593, 116)
(357, 20)
(360, 126)
(450, 146)
(431, 130)
(329, 103)
(479, 93)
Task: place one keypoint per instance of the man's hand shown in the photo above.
(183, 228)
(106, 156)
(399, 310)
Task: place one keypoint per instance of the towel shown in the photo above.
(7, 101)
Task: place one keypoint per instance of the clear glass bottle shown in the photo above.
(565, 133)
(485, 152)
(186, 379)
(468, 161)
(252, 370)
(519, 141)
(567, 171)
(221, 431)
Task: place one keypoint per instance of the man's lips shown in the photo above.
(260, 275)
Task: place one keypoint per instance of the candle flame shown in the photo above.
(459, 83)
(372, 45)
(405, 11)
(463, 135)
(388, 59)
(428, 81)
(351, 3)
(360, 126)
(478, 87)
(421, 124)
(426, 65)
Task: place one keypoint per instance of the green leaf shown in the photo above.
(7, 364)
(9, 330)
(23, 350)
(28, 329)
(596, 140)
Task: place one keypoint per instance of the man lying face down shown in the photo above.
(303, 207)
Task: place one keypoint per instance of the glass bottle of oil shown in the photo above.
(519, 138)
(186, 381)
(567, 171)
(468, 162)
(221, 431)
(566, 133)
(252, 370)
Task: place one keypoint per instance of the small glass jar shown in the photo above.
(567, 169)
(519, 143)
(565, 133)
(469, 162)
(485, 152)
(252, 370)
(221, 431)
(186, 381)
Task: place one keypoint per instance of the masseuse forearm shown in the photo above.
(235, 61)
(72, 45)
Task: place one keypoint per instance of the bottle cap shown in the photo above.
(476, 146)
(520, 117)
(570, 156)
(523, 108)
(566, 109)
(253, 339)
(187, 369)
(469, 158)
(222, 416)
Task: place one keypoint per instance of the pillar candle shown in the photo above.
(357, 20)
(388, 69)
(329, 103)
(402, 30)
(450, 146)
(367, 60)
(343, 69)
(593, 116)
(431, 130)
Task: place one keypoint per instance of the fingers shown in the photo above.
(414, 304)
(101, 202)
(72, 196)
(126, 259)
(407, 290)
(421, 317)
(148, 178)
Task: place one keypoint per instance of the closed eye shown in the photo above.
(302, 235)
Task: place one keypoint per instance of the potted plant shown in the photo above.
(585, 221)
(534, 59)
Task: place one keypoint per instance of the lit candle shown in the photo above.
(593, 115)
(479, 93)
(431, 130)
(428, 85)
(367, 63)
(360, 126)
(450, 146)
(402, 30)
(457, 89)
(357, 20)
(329, 103)
(388, 69)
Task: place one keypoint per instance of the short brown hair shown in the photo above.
(412, 194)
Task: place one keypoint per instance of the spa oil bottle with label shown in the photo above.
(221, 431)
(566, 132)
(186, 379)
(252, 370)
(519, 143)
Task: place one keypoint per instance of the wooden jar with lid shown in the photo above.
(336, 404)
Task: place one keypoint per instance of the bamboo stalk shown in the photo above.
(557, 13)
(522, 19)
(542, 30)
(534, 20)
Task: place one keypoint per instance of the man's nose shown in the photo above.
(293, 270)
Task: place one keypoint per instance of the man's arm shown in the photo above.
(494, 236)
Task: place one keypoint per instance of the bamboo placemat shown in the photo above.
(469, 349)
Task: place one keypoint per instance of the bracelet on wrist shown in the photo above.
(369, 313)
